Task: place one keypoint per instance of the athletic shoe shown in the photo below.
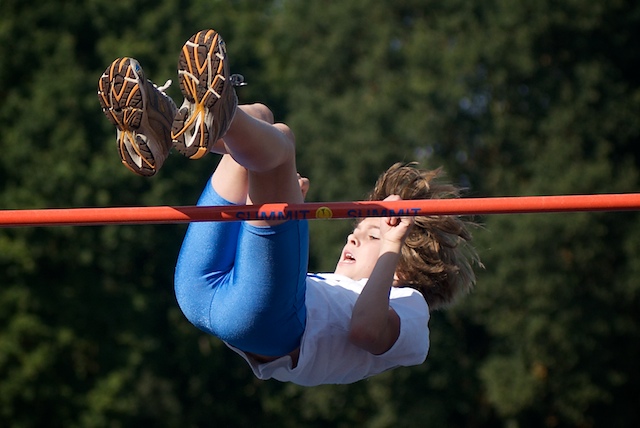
(141, 112)
(210, 99)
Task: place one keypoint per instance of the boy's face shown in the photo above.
(361, 251)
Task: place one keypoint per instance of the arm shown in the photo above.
(375, 326)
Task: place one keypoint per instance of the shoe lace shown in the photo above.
(164, 87)
(163, 90)
(236, 80)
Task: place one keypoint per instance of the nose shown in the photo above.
(352, 239)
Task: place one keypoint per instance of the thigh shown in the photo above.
(205, 261)
(261, 309)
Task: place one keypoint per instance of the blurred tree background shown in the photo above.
(513, 98)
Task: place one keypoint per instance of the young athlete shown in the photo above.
(247, 282)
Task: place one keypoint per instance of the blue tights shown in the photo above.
(245, 284)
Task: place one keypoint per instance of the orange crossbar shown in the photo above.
(317, 210)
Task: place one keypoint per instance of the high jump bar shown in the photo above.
(317, 210)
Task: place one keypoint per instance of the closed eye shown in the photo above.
(368, 230)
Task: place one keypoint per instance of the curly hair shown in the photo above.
(437, 258)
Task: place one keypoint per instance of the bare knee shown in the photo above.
(286, 131)
(259, 111)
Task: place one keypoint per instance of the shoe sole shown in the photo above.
(123, 101)
(202, 72)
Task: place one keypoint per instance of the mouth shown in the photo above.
(347, 257)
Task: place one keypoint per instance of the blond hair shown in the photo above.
(437, 258)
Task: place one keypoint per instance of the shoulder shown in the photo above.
(408, 300)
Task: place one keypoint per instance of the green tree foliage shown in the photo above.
(513, 98)
(90, 333)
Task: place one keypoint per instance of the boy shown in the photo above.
(247, 282)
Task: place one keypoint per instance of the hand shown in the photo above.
(395, 229)
(304, 184)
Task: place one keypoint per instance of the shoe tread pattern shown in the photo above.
(122, 102)
(203, 72)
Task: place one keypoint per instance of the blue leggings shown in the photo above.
(245, 284)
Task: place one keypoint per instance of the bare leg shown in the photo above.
(210, 120)
(260, 165)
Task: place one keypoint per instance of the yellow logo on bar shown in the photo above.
(324, 212)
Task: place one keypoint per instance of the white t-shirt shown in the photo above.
(327, 356)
